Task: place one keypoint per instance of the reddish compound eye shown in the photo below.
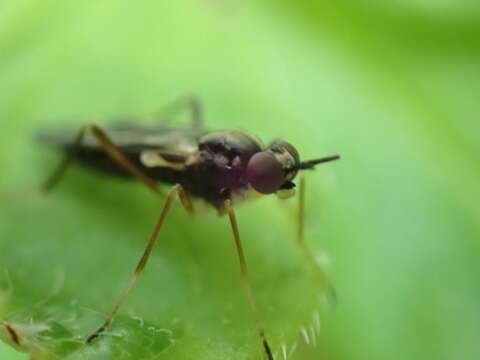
(265, 173)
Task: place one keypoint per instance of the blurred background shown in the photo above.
(393, 87)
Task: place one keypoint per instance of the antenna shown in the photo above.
(310, 164)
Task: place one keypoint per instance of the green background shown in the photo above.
(391, 86)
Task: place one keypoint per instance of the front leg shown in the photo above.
(331, 294)
(246, 280)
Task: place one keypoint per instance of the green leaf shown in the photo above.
(392, 87)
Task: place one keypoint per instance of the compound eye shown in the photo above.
(265, 173)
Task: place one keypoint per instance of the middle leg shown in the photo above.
(177, 189)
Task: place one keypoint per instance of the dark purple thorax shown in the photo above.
(222, 169)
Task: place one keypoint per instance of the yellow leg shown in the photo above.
(245, 279)
(141, 264)
(110, 148)
(332, 297)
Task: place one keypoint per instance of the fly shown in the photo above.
(220, 167)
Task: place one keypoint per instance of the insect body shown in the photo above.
(220, 167)
(214, 166)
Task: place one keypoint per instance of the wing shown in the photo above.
(131, 139)
(150, 147)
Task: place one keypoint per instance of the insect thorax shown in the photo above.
(220, 172)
